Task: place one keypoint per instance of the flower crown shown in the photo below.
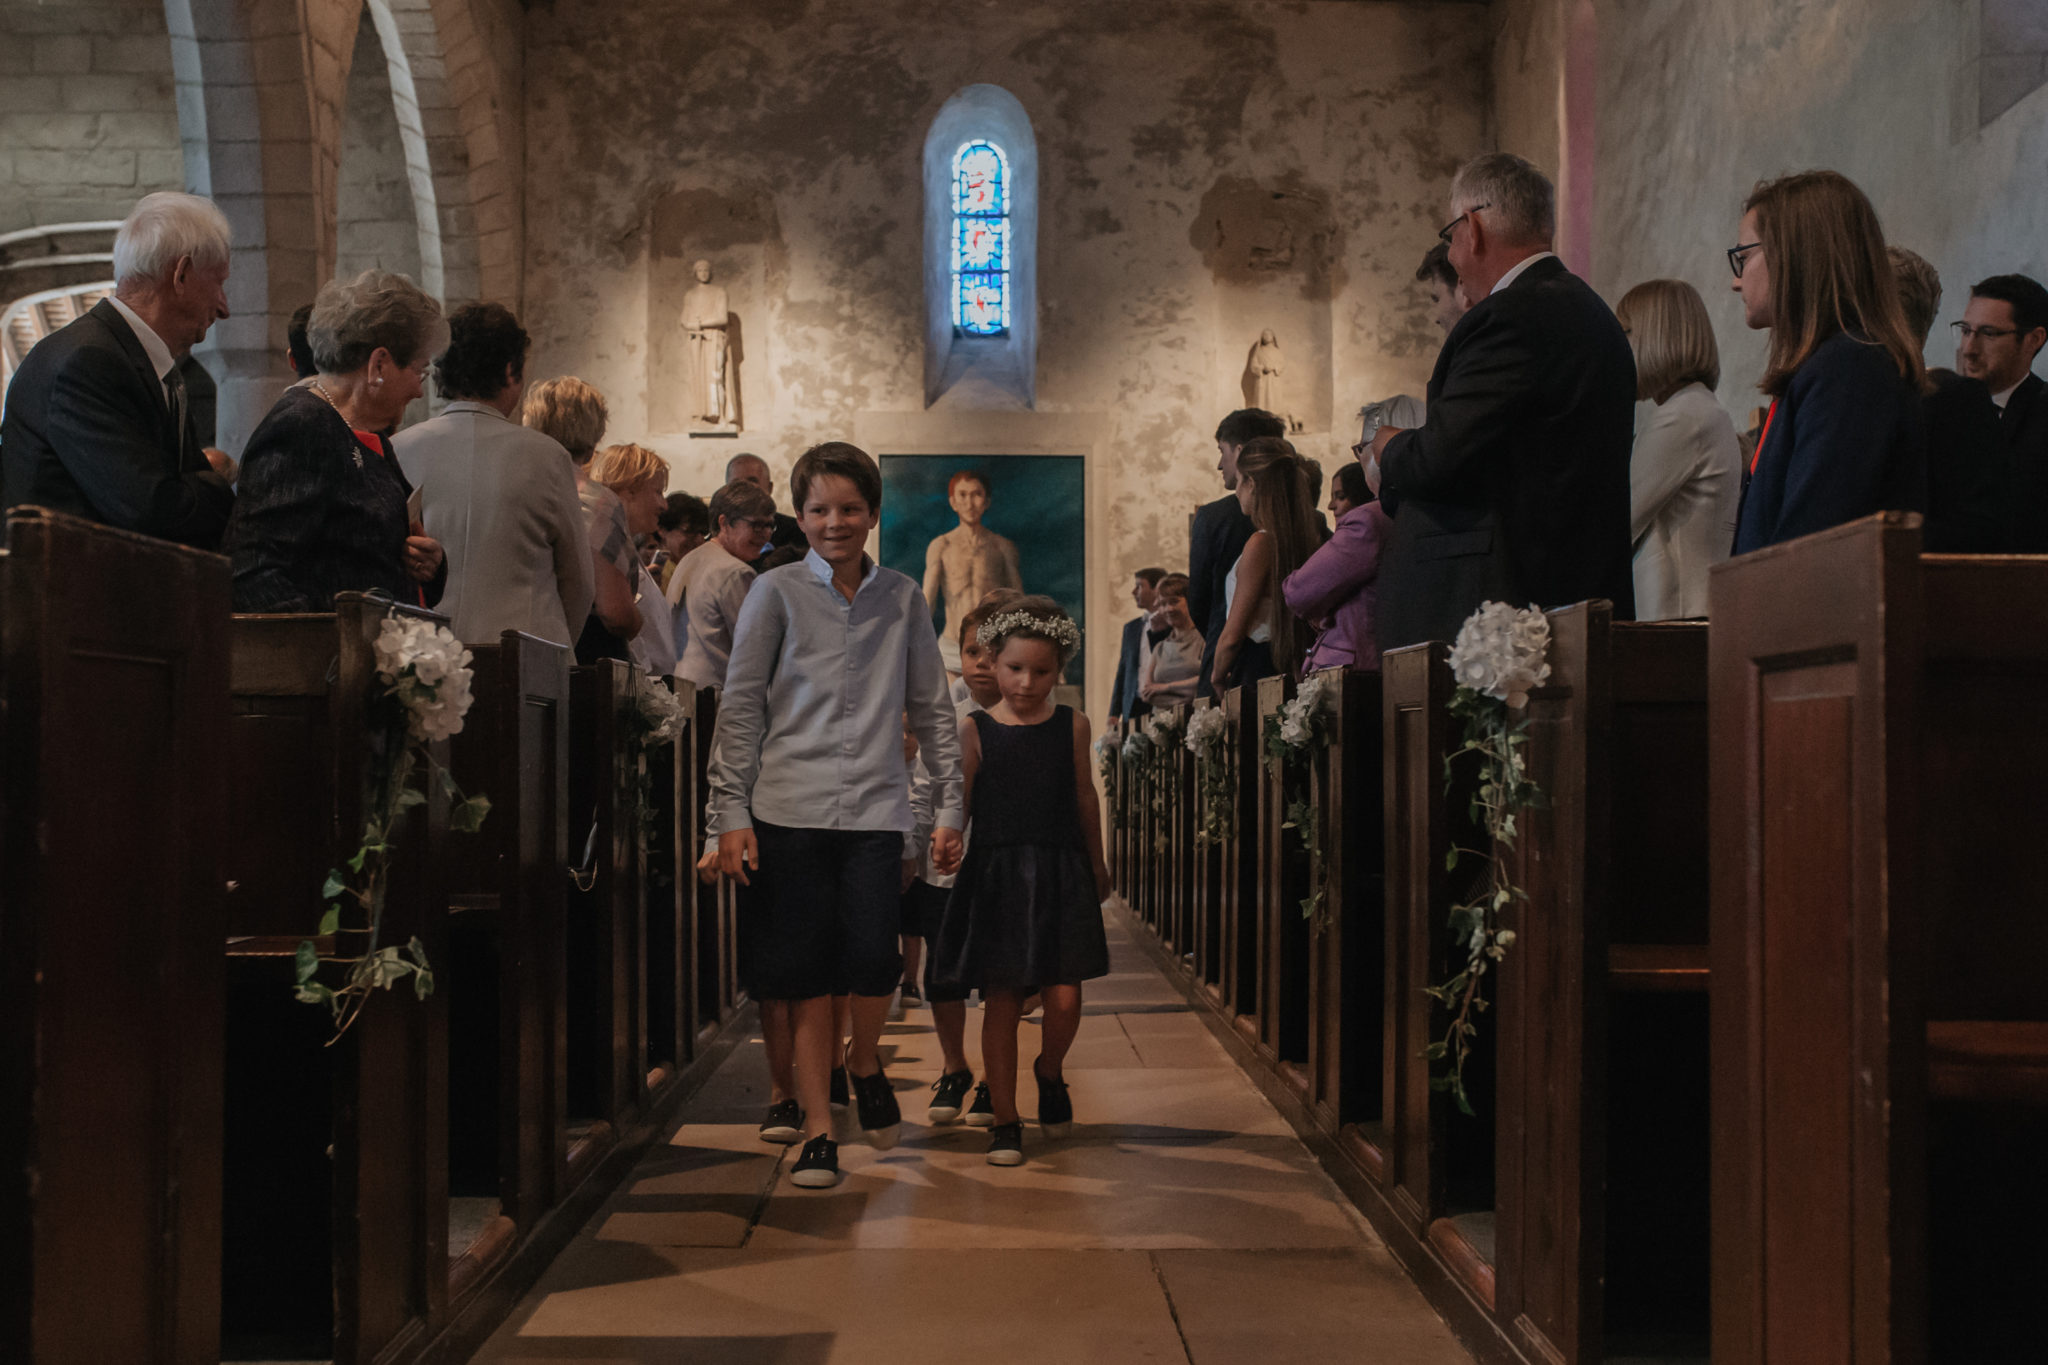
(1057, 629)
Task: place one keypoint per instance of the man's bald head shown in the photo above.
(750, 469)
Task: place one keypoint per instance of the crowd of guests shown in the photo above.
(1566, 451)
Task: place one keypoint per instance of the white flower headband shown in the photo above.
(1057, 629)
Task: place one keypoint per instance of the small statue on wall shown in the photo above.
(1262, 369)
(712, 379)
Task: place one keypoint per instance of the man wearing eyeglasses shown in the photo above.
(2001, 332)
(1515, 488)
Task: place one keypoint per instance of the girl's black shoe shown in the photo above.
(784, 1124)
(982, 1113)
(1006, 1144)
(1055, 1106)
(817, 1166)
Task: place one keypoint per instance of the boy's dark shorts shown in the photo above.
(924, 906)
(821, 914)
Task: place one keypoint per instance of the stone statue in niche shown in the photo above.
(1262, 373)
(712, 375)
(967, 562)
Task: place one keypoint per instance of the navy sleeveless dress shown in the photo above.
(1024, 912)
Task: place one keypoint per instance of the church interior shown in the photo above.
(1738, 1089)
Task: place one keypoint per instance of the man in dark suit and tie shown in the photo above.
(1124, 700)
(1516, 487)
(1219, 532)
(2002, 330)
(98, 422)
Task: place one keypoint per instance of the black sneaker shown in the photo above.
(947, 1092)
(1006, 1144)
(982, 1113)
(817, 1166)
(880, 1119)
(912, 997)
(839, 1100)
(1055, 1106)
(784, 1124)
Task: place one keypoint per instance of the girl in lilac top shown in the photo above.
(1337, 589)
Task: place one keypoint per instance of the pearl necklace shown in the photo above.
(321, 389)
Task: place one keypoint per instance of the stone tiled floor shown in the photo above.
(1181, 1222)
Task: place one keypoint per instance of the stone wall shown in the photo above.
(1697, 102)
(88, 115)
(375, 221)
(1205, 170)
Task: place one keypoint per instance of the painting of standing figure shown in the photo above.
(965, 525)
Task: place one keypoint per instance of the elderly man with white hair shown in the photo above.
(97, 421)
(1516, 487)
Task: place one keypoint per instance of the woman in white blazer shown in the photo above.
(499, 496)
(1685, 473)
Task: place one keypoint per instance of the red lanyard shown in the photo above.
(1761, 437)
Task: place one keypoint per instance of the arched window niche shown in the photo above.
(981, 253)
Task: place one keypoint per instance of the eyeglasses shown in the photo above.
(1738, 256)
(1452, 226)
(1964, 331)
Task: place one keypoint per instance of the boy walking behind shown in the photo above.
(810, 798)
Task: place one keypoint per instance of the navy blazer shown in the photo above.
(1214, 542)
(1516, 488)
(1848, 439)
(1967, 508)
(1130, 659)
(88, 433)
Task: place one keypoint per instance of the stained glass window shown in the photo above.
(981, 239)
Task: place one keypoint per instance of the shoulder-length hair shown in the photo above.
(569, 410)
(1667, 324)
(1829, 274)
(623, 468)
(1284, 509)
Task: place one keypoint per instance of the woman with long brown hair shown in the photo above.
(1844, 436)
(1260, 636)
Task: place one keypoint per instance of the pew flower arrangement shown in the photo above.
(421, 697)
(1105, 747)
(1164, 730)
(652, 716)
(1497, 661)
(1294, 735)
(1208, 741)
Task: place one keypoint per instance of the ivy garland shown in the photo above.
(1294, 735)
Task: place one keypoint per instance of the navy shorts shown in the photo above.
(821, 914)
(924, 907)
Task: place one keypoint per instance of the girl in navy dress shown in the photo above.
(1026, 914)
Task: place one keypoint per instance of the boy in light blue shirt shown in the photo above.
(810, 798)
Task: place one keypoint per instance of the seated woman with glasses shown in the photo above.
(1172, 669)
(712, 581)
(1844, 436)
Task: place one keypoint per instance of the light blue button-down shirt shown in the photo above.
(810, 728)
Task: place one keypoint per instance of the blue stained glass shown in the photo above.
(981, 239)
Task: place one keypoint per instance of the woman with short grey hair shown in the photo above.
(323, 502)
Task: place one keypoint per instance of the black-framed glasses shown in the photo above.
(1738, 256)
(1444, 236)
(1964, 331)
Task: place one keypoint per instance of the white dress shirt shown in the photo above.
(810, 730)
(711, 584)
(1515, 271)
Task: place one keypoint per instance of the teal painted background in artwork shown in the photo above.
(1037, 501)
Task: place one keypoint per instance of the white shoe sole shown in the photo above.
(1006, 1158)
(980, 1120)
(782, 1136)
(814, 1180)
(939, 1118)
(882, 1139)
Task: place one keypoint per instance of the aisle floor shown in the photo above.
(1182, 1221)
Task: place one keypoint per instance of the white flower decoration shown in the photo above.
(661, 709)
(1205, 728)
(427, 669)
(1499, 652)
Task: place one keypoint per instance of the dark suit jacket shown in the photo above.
(1516, 488)
(320, 514)
(2024, 428)
(88, 432)
(1214, 542)
(1848, 439)
(1123, 693)
(1967, 508)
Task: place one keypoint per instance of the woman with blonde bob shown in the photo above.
(1260, 636)
(1685, 472)
(1844, 436)
(574, 414)
(638, 478)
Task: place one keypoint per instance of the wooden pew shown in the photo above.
(336, 1157)
(114, 683)
(606, 1063)
(1879, 919)
(503, 980)
(1181, 842)
(713, 909)
(1206, 899)
(1347, 962)
(1283, 934)
(670, 879)
(1238, 957)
